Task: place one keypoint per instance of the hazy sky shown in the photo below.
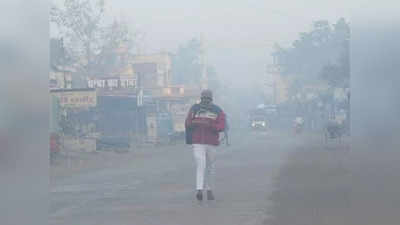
(238, 34)
(226, 23)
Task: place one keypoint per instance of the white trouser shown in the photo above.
(204, 156)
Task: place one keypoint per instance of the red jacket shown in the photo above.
(203, 124)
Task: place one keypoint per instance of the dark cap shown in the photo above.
(206, 94)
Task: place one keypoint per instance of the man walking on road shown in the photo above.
(203, 124)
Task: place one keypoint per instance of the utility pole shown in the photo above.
(271, 83)
(203, 61)
(139, 103)
(275, 92)
(63, 63)
(348, 124)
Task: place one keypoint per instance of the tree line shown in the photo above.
(91, 43)
(320, 55)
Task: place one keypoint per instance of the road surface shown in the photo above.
(158, 189)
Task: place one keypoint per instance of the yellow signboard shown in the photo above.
(76, 98)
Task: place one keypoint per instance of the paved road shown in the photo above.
(159, 189)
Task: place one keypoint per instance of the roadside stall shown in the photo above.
(72, 123)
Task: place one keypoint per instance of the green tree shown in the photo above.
(213, 80)
(58, 55)
(320, 54)
(337, 74)
(88, 39)
(187, 68)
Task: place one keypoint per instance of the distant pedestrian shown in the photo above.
(203, 124)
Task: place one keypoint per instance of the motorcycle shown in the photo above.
(334, 130)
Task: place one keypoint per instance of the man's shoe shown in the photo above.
(210, 195)
(199, 195)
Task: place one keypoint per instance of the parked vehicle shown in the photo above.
(298, 125)
(258, 120)
(259, 124)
